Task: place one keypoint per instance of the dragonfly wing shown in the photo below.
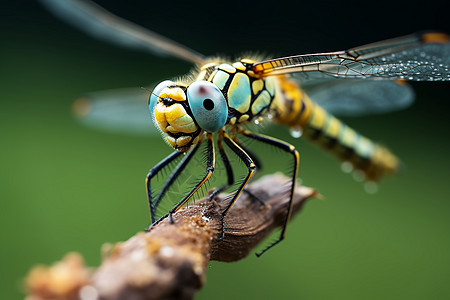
(356, 97)
(418, 57)
(118, 110)
(98, 22)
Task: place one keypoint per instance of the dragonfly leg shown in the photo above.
(218, 191)
(209, 171)
(171, 179)
(175, 173)
(230, 171)
(253, 156)
(228, 168)
(287, 148)
(258, 165)
(251, 169)
(152, 173)
(253, 196)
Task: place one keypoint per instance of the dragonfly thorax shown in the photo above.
(248, 95)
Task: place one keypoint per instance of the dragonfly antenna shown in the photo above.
(151, 92)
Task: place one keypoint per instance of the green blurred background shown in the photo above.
(64, 187)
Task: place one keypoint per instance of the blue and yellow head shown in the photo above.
(183, 113)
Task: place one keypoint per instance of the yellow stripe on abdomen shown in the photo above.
(362, 153)
(295, 109)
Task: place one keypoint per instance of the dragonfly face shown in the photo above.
(183, 113)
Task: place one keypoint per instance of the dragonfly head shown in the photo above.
(183, 113)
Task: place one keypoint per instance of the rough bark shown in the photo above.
(169, 262)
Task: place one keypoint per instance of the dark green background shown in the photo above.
(64, 187)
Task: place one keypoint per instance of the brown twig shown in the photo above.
(169, 262)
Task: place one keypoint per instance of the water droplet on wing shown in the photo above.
(296, 132)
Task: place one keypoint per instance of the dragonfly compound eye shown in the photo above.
(168, 107)
(155, 95)
(208, 105)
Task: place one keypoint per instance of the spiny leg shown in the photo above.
(228, 168)
(287, 148)
(174, 175)
(251, 169)
(176, 172)
(152, 173)
(252, 155)
(258, 165)
(209, 171)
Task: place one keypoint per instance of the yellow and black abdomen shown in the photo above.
(362, 153)
(294, 108)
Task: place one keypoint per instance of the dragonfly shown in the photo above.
(213, 105)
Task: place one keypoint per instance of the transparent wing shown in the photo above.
(98, 22)
(356, 97)
(118, 110)
(414, 57)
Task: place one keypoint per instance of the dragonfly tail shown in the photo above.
(368, 159)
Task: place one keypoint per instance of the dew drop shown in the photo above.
(296, 132)
(258, 120)
(270, 116)
(371, 187)
(347, 167)
(359, 175)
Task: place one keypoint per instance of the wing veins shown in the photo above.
(413, 57)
